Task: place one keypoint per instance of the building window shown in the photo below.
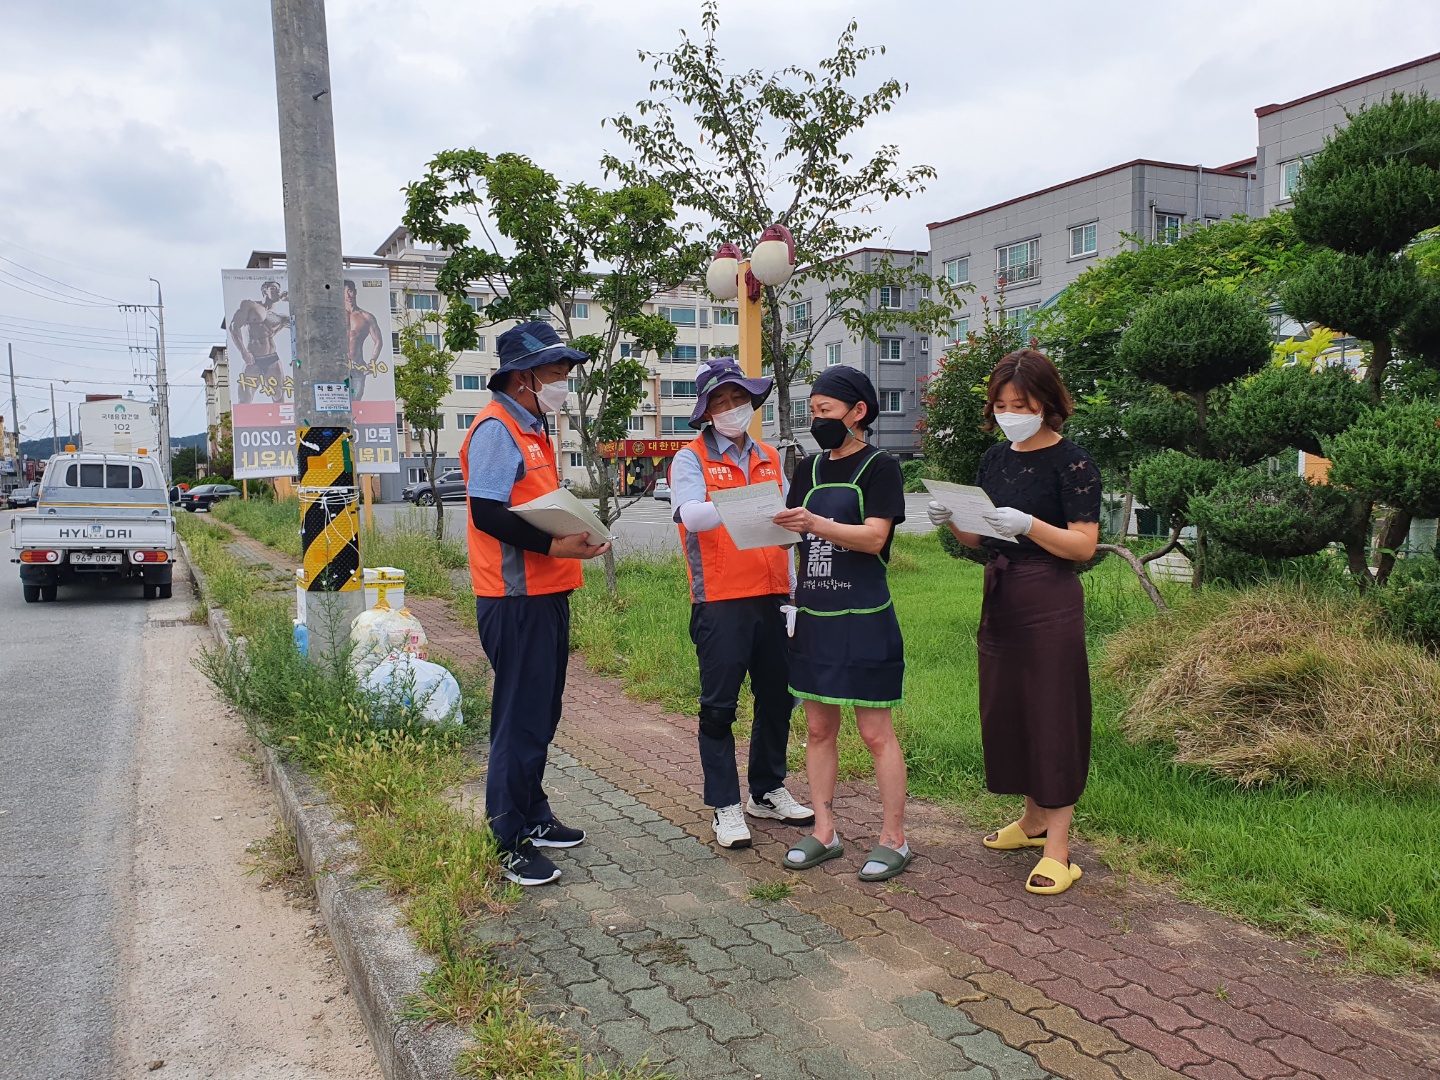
(440, 421)
(725, 316)
(677, 388)
(1018, 263)
(422, 301)
(1167, 227)
(960, 329)
(1020, 318)
(924, 292)
(467, 382)
(635, 423)
(892, 401)
(433, 339)
(957, 271)
(832, 355)
(464, 420)
(1289, 178)
(675, 425)
(799, 316)
(680, 353)
(924, 344)
(890, 298)
(476, 302)
(767, 413)
(577, 461)
(395, 341)
(580, 311)
(1083, 240)
(800, 411)
(680, 316)
(574, 422)
(573, 384)
(890, 349)
(414, 476)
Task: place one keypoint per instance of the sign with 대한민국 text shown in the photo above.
(642, 448)
(261, 339)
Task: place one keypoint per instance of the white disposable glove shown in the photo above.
(1008, 522)
(939, 515)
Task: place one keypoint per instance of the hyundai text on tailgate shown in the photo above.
(105, 517)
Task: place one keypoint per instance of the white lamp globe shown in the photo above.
(773, 260)
(722, 278)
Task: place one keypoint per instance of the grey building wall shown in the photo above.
(1295, 130)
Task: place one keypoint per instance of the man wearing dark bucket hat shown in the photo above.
(736, 596)
(522, 580)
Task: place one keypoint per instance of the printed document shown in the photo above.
(559, 513)
(967, 503)
(747, 512)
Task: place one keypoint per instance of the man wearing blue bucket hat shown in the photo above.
(522, 580)
(736, 597)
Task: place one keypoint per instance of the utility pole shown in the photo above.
(162, 385)
(14, 410)
(329, 524)
(70, 422)
(54, 424)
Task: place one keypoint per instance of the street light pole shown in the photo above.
(329, 529)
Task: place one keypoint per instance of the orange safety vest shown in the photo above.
(718, 569)
(498, 569)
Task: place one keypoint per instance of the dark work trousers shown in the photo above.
(733, 637)
(527, 641)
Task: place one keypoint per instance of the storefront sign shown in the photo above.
(640, 448)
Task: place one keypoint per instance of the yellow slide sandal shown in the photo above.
(1011, 838)
(1063, 876)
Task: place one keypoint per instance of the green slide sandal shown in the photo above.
(892, 860)
(815, 853)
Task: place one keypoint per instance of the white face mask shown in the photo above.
(735, 422)
(1019, 426)
(551, 396)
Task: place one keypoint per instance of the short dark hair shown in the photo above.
(1034, 374)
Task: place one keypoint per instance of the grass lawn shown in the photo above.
(1356, 866)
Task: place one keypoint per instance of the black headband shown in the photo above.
(849, 385)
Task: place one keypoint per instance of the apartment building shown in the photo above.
(1291, 132)
(897, 361)
(1037, 244)
(216, 378)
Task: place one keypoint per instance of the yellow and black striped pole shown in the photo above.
(329, 520)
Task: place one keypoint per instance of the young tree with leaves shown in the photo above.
(752, 149)
(537, 247)
(422, 382)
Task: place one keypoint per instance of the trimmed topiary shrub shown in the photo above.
(1411, 604)
(1281, 408)
(1272, 515)
(1392, 456)
(1167, 481)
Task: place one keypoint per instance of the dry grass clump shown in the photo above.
(1280, 683)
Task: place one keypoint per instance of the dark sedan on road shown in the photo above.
(451, 485)
(205, 496)
(23, 496)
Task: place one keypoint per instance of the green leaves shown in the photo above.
(1170, 479)
(1366, 296)
(1271, 514)
(1286, 407)
(1195, 339)
(1392, 456)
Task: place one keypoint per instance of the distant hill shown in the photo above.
(41, 448)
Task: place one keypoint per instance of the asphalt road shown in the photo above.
(68, 698)
(645, 528)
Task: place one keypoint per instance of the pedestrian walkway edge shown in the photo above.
(382, 965)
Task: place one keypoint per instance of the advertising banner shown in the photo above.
(261, 339)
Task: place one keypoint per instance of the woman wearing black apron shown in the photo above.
(1034, 675)
(846, 649)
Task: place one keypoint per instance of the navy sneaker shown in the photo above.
(529, 867)
(553, 834)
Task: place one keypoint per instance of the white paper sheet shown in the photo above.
(559, 513)
(747, 512)
(967, 503)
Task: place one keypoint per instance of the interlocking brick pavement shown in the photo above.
(1110, 979)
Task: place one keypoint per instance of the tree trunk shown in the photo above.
(1140, 572)
(1197, 564)
(1379, 362)
(1126, 509)
(1397, 531)
(1356, 542)
(434, 456)
(612, 580)
(1172, 544)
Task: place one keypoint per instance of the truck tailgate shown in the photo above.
(81, 533)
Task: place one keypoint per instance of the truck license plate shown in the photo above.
(94, 558)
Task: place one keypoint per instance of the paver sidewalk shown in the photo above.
(1108, 980)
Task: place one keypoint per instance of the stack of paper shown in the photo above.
(559, 513)
(746, 514)
(966, 503)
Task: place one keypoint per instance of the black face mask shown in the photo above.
(829, 432)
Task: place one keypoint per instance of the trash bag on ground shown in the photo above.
(406, 682)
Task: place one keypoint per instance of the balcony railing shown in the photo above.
(798, 326)
(1019, 273)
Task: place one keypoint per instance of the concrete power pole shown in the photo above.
(329, 524)
(162, 384)
(54, 424)
(14, 411)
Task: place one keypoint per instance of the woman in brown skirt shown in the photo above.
(1034, 675)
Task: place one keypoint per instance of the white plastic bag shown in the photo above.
(408, 635)
(370, 635)
(410, 681)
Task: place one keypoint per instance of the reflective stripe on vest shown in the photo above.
(718, 569)
(498, 569)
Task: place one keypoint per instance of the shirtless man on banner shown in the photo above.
(253, 328)
(361, 326)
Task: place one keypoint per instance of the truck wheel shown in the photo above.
(163, 591)
(149, 591)
(48, 592)
(32, 593)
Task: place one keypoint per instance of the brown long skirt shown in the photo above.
(1034, 680)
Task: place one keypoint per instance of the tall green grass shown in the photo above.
(1354, 865)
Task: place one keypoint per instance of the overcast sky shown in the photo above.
(139, 140)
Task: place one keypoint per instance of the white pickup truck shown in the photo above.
(102, 516)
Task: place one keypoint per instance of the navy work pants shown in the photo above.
(527, 640)
(733, 638)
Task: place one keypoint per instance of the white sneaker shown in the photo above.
(781, 806)
(730, 828)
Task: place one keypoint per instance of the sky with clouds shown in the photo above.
(139, 141)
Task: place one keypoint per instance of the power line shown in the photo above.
(56, 299)
(57, 281)
(73, 266)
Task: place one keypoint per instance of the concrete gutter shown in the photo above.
(383, 965)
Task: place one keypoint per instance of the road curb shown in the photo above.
(382, 964)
